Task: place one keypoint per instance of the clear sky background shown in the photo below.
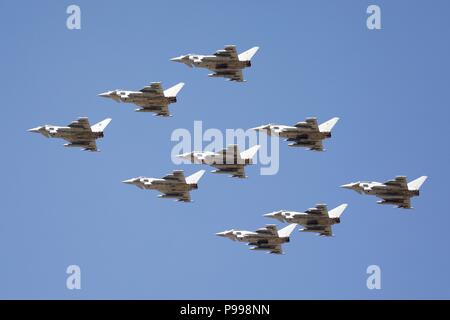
(62, 206)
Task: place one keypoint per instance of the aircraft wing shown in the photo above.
(304, 128)
(401, 202)
(176, 176)
(269, 229)
(319, 209)
(399, 182)
(159, 109)
(325, 231)
(305, 141)
(185, 197)
(236, 75)
(80, 123)
(317, 146)
(277, 249)
(310, 124)
(230, 150)
(180, 196)
(163, 112)
(227, 52)
(272, 248)
(231, 153)
(154, 88)
(235, 170)
(89, 145)
(230, 74)
(406, 203)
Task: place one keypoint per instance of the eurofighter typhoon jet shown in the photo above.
(396, 192)
(306, 134)
(79, 133)
(151, 98)
(228, 161)
(174, 185)
(266, 239)
(226, 63)
(317, 219)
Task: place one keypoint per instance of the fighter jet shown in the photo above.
(226, 63)
(228, 161)
(396, 192)
(174, 185)
(317, 219)
(267, 238)
(151, 98)
(79, 133)
(304, 134)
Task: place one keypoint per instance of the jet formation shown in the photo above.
(227, 161)
(306, 134)
(79, 133)
(396, 192)
(225, 63)
(151, 98)
(174, 185)
(318, 219)
(268, 238)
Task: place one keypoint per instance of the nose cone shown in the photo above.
(262, 128)
(129, 181)
(106, 94)
(183, 59)
(186, 156)
(35, 130)
(350, 186)
(40, 130)
(225, 234)
(178, 59)
(275, 215)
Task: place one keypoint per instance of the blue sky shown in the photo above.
(62, 206)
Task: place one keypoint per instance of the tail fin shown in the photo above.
(248, 55)
(100, 126)
(250, 153)
(416, 184)
(172, 92)
(194, 178)
(338, 211)
(328, 126)
(286, 231)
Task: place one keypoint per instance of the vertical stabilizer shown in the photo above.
(194, 178)
(100, 126)
(173, 91)
(248, 55)
(286, 231)
(416, 184)
(250, 153)
(328, 126)
(338, 211)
